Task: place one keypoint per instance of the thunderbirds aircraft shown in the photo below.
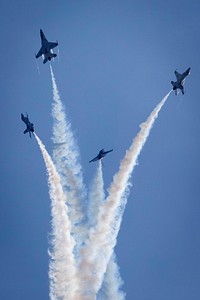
(101, 155)
(30, 127)
(180, 81)
(46, 48)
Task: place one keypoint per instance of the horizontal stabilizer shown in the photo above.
(25, 131)
(45, 60)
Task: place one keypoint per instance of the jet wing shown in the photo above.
(41, 51)
(94, 159)
(178, 75)
(24, 119)
(108, 151)
(52, 45)
(186, 73)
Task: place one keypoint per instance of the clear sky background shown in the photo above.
(116, 61)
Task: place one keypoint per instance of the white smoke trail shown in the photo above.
(62, 270)
(112, 281)
(38, 68)
(96, 196)
(102, 239)
(66, 158)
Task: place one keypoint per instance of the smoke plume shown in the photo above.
(96, 196)
(62, 270)
(66, 158)
(98, 249)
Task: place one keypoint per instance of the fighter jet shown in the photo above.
(46, 48)
(180, 81)
(101, 155)
(30, 127)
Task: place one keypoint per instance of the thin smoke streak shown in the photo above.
(62, 269)
(102, 239)
(38, 68)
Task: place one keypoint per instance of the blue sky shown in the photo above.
(116, 61)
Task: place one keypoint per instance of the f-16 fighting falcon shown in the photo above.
(101, 155)
(30, 127)
(180, 81)
(46, 48)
